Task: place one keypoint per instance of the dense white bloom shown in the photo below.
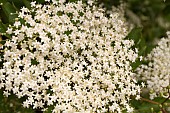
(157, 72)
(62, 56)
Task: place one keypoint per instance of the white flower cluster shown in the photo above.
(157, 72)
(72, 56)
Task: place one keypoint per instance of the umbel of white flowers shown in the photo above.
(72, 56)
(157, 72)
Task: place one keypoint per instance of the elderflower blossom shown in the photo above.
(72, 56)
(157, 72)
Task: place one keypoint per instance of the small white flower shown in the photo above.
(140, 58)
(33, 4)
(9, 30)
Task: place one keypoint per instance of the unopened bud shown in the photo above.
(166, 104)
(160, 105)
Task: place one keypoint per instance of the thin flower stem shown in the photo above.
(150, 101)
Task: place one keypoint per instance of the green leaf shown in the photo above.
(18, 3)
(8, 8)
(9, 11)
(3, 1)
(2, 27)
(27, 3)
(40, 1)
(16, 8)
(136, 35)
(12, 18)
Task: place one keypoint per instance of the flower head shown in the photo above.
(157, 72)
(72, 56)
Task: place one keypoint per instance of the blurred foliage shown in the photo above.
(152, 15)
(150, 18)
(12, 104)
